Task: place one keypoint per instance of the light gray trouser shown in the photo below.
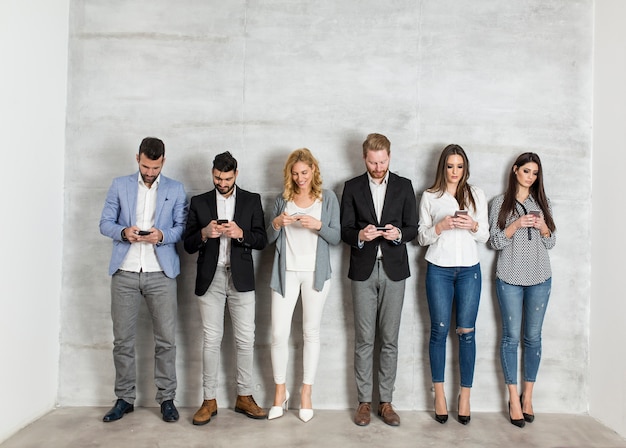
(128, 289)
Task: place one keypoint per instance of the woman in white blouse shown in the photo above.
(305, 223)
(452, 219)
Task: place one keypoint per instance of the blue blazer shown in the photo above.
(120, 211)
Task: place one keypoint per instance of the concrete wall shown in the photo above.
(263, 78)
(608, 360)
(32, 116)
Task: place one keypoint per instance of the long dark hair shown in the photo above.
(536, 191)
(463, 194)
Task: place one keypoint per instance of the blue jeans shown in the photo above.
(527, 305)
(445, 285)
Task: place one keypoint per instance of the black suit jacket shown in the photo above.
(248, 216)
(357, 211)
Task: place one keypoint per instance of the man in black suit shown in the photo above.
(378, 218)
(224, 226)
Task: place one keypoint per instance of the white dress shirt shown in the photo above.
(142, 257)
(225, 210)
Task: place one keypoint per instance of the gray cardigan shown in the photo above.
(330, 233)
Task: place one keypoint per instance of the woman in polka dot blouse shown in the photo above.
(522, 231)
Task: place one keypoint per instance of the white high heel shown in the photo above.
(306, 414)
(277, 411)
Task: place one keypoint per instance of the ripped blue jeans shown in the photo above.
(446, 286)
(522, 305)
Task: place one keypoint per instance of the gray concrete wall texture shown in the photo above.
(263, 78)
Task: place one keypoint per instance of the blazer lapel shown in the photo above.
(131, 197)
(367, 194)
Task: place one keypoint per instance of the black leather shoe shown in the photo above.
(169, 411)
(116, 412)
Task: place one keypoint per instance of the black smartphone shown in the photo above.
(222, 221)
(535, 213)
(383, 228)
(144, 232)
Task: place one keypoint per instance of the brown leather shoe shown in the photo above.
(388, 415)
(246, 405)
(206, 411)
(362, 415)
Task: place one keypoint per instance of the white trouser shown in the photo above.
(297, 282)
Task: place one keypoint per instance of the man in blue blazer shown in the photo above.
(225, 225)
(144, 214)
(378, 218)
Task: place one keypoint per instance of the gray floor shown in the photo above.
(83, 427)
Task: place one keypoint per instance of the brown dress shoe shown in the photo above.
(206, 411)
(362, 415)
(388, 415)
(246, 405)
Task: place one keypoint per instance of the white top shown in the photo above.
(301, 243)
(454, 247)
(225, 210)
(142, 256)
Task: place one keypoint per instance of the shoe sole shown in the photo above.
(247, 414)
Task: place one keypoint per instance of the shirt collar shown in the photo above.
(142, 183)
(384, 181)
(220, 196)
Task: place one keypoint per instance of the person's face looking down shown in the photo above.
(224, 181)
(526, 174)
(149, 169)
(377, 164)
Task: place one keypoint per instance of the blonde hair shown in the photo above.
(291, 189)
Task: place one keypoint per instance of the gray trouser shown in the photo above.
(159, 292)
(241, 306)
(377, 302)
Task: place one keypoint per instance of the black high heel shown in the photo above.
(441, 418)
(527, 417)
(520, 423)
(463, 419)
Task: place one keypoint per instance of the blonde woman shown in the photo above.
(304, 224)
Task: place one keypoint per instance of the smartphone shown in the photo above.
(222, 221)
(383, 228)
(460, 213)
(536, 213)
(144, 232)
(296, 214)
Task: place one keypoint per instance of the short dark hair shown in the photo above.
(152, 147)
(225, 162)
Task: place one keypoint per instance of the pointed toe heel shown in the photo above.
(306, 414)
(527, 417)
(278, 411)
(520, 422)
(441, 418)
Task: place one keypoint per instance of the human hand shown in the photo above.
(308, 222)
(464, 221)
(230, 229)
(370, 232)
